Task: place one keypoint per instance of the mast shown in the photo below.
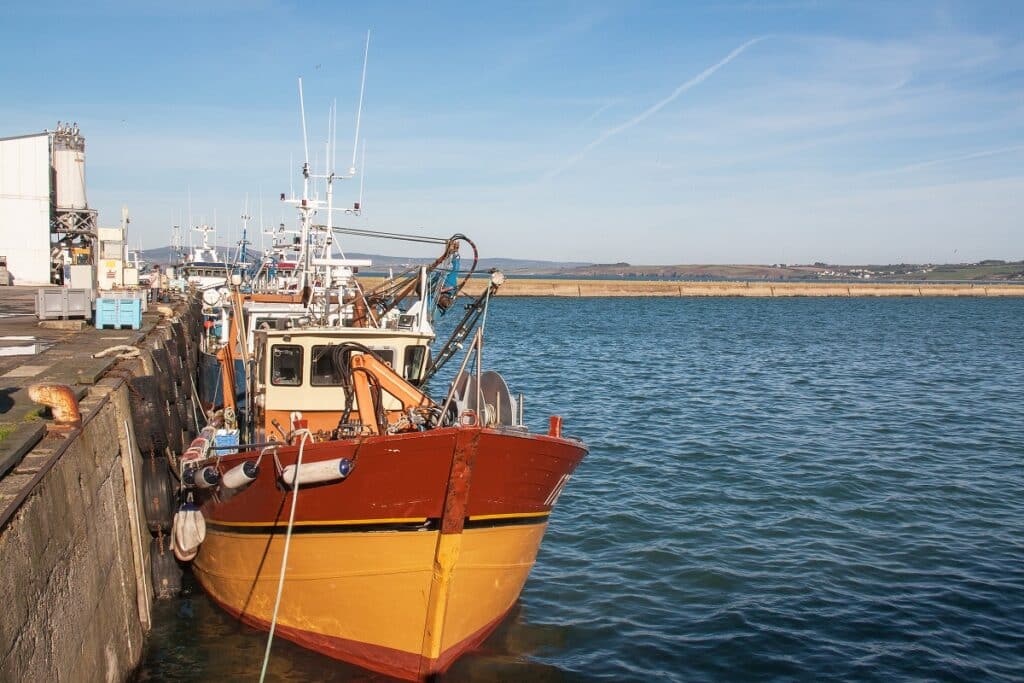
(305, 209)
(241, 257)
(316, 242)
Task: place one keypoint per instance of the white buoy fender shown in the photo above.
(188, 531)
(240, 475)
(201, 478)
(317, 472)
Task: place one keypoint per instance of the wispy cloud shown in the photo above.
(909, 168)
(650, 111)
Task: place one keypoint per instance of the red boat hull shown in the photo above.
(407, 563)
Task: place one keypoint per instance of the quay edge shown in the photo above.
(74, 545)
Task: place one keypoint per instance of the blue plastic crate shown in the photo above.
(129, 313)
(118, 313)
(226, 437)
(106, 313)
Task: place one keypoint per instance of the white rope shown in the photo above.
(284, 558)
(195, 411)
(121, 350)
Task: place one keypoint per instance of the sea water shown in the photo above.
(800, 489)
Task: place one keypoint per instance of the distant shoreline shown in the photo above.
(661, 288)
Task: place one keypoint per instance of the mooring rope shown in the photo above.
(284, 558)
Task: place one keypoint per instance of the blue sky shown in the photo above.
(754, 131)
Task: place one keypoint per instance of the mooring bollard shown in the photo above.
(61, 401)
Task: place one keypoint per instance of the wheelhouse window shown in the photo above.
(412, 368)
(323, 371)
(386, 356)
(271, 323)
(286, 365)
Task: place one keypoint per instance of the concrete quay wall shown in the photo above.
(74, 544)
(662, 288)
(75, 555)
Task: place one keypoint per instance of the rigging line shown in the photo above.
(362, 232)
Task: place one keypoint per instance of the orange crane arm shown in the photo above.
(390, 381)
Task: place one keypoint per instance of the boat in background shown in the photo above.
(203, 267)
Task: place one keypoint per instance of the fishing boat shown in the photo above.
(349, 511)
(203, 267)
(210, 279)
(368, 521)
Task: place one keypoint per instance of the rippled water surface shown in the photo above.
(776, 489)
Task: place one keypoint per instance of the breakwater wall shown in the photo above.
(663, 288)
(75, 550)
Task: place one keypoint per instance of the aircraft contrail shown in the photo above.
(642, 116)
(954, 159)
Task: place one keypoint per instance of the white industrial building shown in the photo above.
(25, 202)
(45, 221)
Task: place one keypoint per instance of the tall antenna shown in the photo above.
(334, 135)
(302, 110)
(359, 111)
(362, 175)
(327, 152)
(262, 224)
(305, 192)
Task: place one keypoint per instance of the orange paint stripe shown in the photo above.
(379, 520)
(318, 522)
(512, 515)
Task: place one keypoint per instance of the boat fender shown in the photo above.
(241, 475)
(317, 472)
(195, 450)
(165, 572)
(188, 532)
(200, 445)
(201, 477)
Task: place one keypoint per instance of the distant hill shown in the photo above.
(987, 270)
(163, 256)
